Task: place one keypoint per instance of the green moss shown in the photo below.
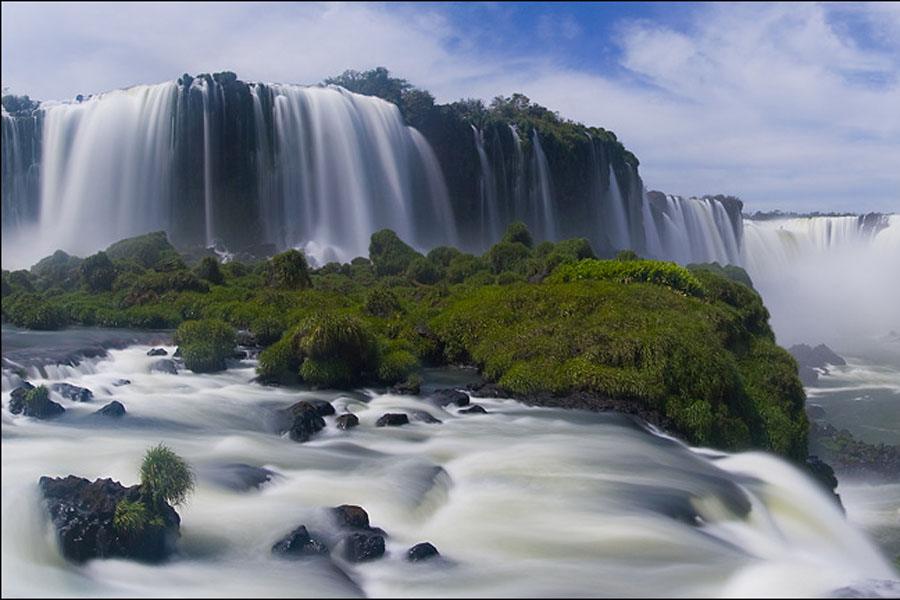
(464, 266)
(396, 365)
(205, 344)
(150, 251)
(279, 363)
(130, 517)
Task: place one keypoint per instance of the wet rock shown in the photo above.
(347, 421)
(392, 420)
(304, 420)
(323, 408)
(177, 353)
(351, 516)
(423, 551)
(450, 396)
(299, 543)
(824, 475)
(361, 547)
(114, 409)
(35, 403)
(239, 354)
(424, 417)
(157, 352)
(475, 409)
(239, 476)
(410, 387)
(73, 392)
(165, 365)
(245, 337)
(18, 394)
(121, 382)
(82, 513)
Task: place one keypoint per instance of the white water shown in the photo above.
(542, 191)
(487, 187)
(695, 230)
(521, 501)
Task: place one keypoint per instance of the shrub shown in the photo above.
(389, 254)
(289, 270)
(443, 255)
(165, 476)
(382, 302)
(326, 373)
(151, 251)
(396, 365)
(58, 270)
(267, 329)
(19, 281)
(508, 256)
(33, 312)
(236, 269)
(205, 344)
(508, 277)
(517, 232)
(464, 266)
(422, 270)
(279, 363)
(626, 255)
(208, 269)
(98, 272)
(340, 350)
(656, 272)
(130, 517)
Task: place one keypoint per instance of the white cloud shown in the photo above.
(785, 105)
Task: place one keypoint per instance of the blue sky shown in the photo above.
(791, 106)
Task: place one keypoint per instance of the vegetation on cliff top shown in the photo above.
(690, 347)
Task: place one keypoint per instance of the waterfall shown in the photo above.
(616, 214)
(520, 189)
(692, 230)
(542, 191)
(487, 186)
(213, 160)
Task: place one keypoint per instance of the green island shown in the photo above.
(686, 348)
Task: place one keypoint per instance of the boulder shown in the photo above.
(157, 352)
(323, 408)
(351, 516)
(73, 392)
(35, 403)
(239, 476)
(450, 396)
(18, 394)
(361, 547)
(392, 420)
(423, 551)
(299, 543)
(410, 387)
(424, 417)
(475, 409)
(114, 409)
(347, 421)
(165, 365)
(82, 513)
(304, 419)
(121, 382)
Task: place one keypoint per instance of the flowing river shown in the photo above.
(521, 501)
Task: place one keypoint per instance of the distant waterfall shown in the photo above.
(542, 190)
(487, 190)
(212, 160)
(694, 229)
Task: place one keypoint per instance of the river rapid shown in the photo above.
(522, 501)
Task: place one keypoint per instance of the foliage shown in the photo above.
(130, 517)
(59, 269)
(150, 251)
(165, 476)
(382, 302)
(98, 272)
(288, 270)
(208, 269)
(517, 231)
(205, 344)
(425, 271)
(632, 271)
(389, 254)
(508, 256)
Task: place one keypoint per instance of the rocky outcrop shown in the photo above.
(73, 392)
(157, 352)
(165, 365)
(114, 409)
(475, 409)
(444, 397)
(420, 552)
(392, 420)
(361, 547)
(82, 513)
(853, 458)
(298, 544)
(34, 402)
(424, 417)
(813, 361)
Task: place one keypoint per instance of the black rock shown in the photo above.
(351, 516)
(18, 394)
(818, 357)
(304, 420)
(423, 551)
(474, 409)
(347, 421)
(157, 352)
(410, 387)
(177, 353)
(165, 365)
(239, 354)
(323, 407)
(73, 392)
(450, 396)
(360, 547)
(424, 417)
(298, 544)
(114, 409)
(35, 405)
(392, 420)
(824, 475)
(239, 476)
(121, 382)
(82, 513)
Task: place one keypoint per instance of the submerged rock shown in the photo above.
(18, 394)
(392, 420)
(157, 352)
(165, 365)
(410, 387)
(73, 392)
(475, 409)
(304, 420)
(239, 476)
(361, 547)
(114, 409)
(420, 552)
(424, 417)
(299, 543)
(121, 382)
(347, 421)
(82, 513)
(450, 396)
(323, 408)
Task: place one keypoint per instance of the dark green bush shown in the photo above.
(98, 272)
(208, 269)
(464, 266)
(267, 329)
(289, 270)
(33, 312)
(389, 254)
(508, 256)
(657, 272)
(280, 362)
(58, 270)
(151, 251)
(165, 476)
(517, 232)
(443, 255)
(205, 344)
(422, 270)
(382, 302)
(396, 365)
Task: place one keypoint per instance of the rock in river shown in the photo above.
(299, 543)
(114, 409)
(392, 420)
(423, 551)
(73, 392)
